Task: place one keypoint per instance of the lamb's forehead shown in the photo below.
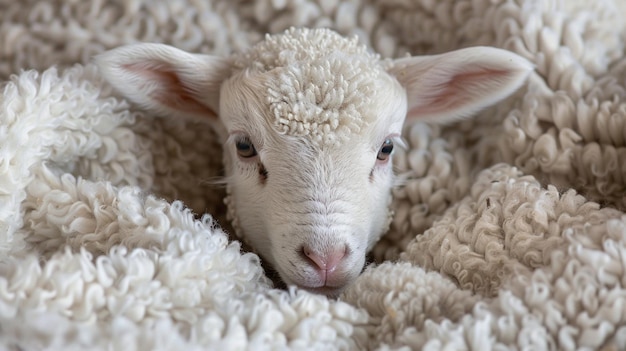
(318, 84)
(298, 44)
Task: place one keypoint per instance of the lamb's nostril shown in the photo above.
(325, 261)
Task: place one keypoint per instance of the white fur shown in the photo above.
(317, 107)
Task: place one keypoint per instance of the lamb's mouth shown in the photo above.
(330, 291)
(281, 283)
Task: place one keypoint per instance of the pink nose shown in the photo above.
(326, 262)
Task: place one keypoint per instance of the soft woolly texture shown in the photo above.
(308, 97)
(509, 230)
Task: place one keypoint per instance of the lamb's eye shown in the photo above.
(385, 150)
(245, 149)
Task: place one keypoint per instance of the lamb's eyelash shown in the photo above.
(397, 140)
(400, 141)
(235, 136)
(218, 181)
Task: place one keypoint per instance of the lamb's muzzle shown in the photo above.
(325, 265)
(308, 120)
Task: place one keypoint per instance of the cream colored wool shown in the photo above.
(310, 98)
(509, 230)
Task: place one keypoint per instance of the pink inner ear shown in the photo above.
(457, 92)
(168, 89)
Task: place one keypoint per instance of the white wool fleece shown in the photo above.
(550, 276)
(466, 280)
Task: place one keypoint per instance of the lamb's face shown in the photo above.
(309, 166)
(309, 119)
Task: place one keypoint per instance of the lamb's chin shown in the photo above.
(331, 292)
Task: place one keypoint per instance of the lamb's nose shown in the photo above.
(327, 261)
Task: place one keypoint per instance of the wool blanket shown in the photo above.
(508, 233)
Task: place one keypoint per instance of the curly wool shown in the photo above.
(305, 93)
(551, 263)
(80, 168)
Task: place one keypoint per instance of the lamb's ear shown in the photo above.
(166, 80)
(442, 88)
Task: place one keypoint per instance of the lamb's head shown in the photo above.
(309, 120)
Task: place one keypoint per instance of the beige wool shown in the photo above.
(508, 231)
(305, 95)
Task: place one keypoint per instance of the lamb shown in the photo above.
(309, 121)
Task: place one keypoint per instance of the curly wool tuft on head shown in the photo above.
(297, 45)
(305, 93)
